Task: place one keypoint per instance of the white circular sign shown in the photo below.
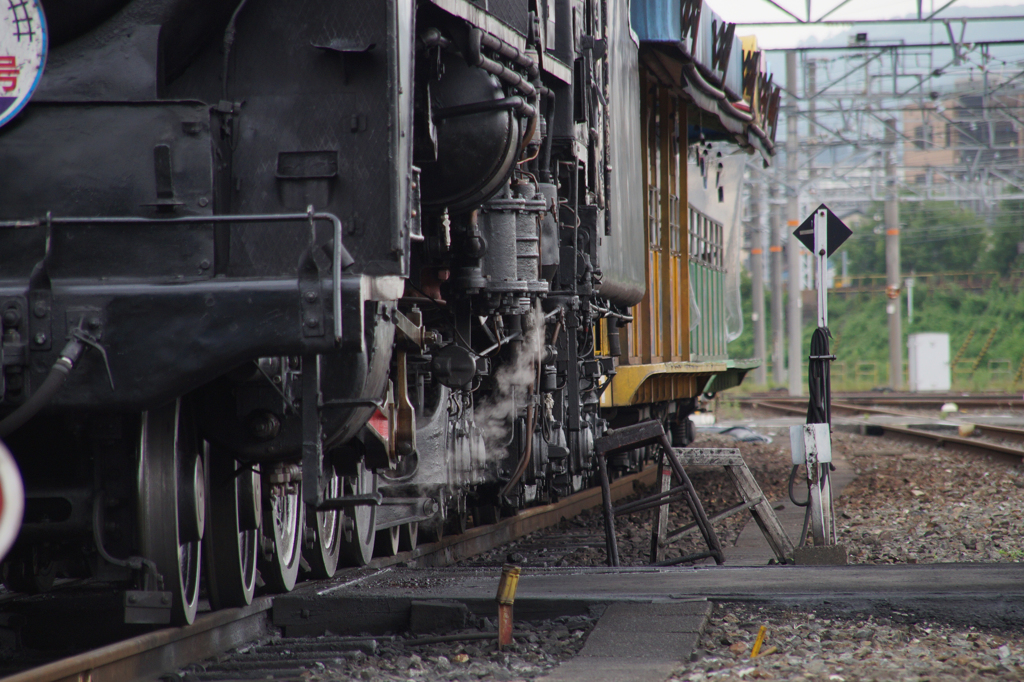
(22, 54)
(12, 500)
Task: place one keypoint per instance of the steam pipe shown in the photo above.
(545, 150)
(134, 562)
(432, 37)
(229, 41)
(475, 57)
(524, 461)
(518, 104)
(47, 390)
(509, 52)
(511, 337)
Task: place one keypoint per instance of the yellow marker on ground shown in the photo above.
(758, 642)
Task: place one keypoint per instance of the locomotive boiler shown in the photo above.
(285, 285)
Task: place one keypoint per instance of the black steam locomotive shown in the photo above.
(285, 284)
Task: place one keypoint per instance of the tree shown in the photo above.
(934, 237)
(1007, 233)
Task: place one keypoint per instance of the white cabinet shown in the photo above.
(928, 356)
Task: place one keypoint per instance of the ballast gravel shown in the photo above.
(538, 648)
(804, 646)
(909, 503)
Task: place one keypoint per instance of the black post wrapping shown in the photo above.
(819, 403)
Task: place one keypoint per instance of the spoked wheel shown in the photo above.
(432, 530)
(408, 536)
(172, 505)
(357, 540)
(456, 522)
(387, 542)
(231, 542)
(324, 532)
(284, 518)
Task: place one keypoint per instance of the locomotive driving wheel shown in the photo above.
(231, 542)
(284, 520)
(387, 542)
(409, 536)
(172, 505)
(359, 523)
(324, 529)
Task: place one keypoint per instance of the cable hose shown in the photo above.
(807, 524)
(46, 391)
(819, 403)
(792, 480)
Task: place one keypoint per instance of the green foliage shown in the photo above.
(934, 237)
(860, 336)
(1007, 232)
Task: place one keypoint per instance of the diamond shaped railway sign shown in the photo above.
(836, 231)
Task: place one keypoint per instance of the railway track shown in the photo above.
(935, 437)
(902, 399)
(149, 655)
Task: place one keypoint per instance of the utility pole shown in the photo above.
(892, 259)
(793, 220)
(757, 277)
(778, 328)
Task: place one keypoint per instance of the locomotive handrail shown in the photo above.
(338, 254)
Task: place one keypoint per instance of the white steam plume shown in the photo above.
(495, 415)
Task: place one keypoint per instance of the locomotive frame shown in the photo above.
(285, 285)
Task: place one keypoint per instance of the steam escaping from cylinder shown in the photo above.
(514, 386)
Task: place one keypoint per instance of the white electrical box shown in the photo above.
(928, 360)
(813, 438)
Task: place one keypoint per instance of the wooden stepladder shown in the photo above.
(753, 500)
(672, 461)
(631, 438)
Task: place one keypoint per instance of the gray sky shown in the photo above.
(774, 37)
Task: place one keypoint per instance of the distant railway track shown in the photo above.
(149, 655)
(902, 399)
(793, 406)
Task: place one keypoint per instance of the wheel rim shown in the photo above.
(359, 524)
(409, 536)
(456, 520)
(322, 550)
(386, 542)
(171, 488)
(231, 542)
(283, 523)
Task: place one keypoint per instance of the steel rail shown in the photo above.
(153, 653)
(988, 429)
(918, 435)
(150, 655)
(992, 400)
